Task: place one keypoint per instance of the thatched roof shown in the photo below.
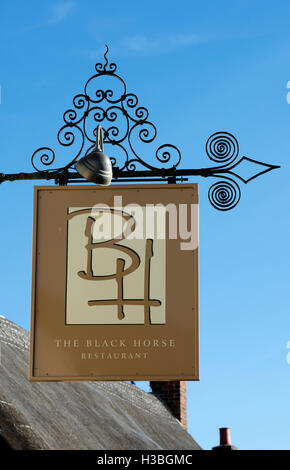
(85, 415)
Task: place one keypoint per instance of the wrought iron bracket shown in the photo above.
(126, 127)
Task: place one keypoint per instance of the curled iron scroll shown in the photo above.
(124, 119)
(222, 147)
(224, 195)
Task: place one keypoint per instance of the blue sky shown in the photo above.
(199, 68)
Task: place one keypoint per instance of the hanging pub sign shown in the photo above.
(115, 283)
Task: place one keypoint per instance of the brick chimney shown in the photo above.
(173, 395)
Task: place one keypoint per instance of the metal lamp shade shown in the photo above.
(96, 167)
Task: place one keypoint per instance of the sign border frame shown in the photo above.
(35, 378)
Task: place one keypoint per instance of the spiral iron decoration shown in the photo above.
(123, 122)
(126, 126)
(224, 195)
(222, 147)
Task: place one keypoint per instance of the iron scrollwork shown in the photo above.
(96, 105)
(125, 126)
(223, 147)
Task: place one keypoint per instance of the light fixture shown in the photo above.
(96, 166)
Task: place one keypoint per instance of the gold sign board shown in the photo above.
(115, 283)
